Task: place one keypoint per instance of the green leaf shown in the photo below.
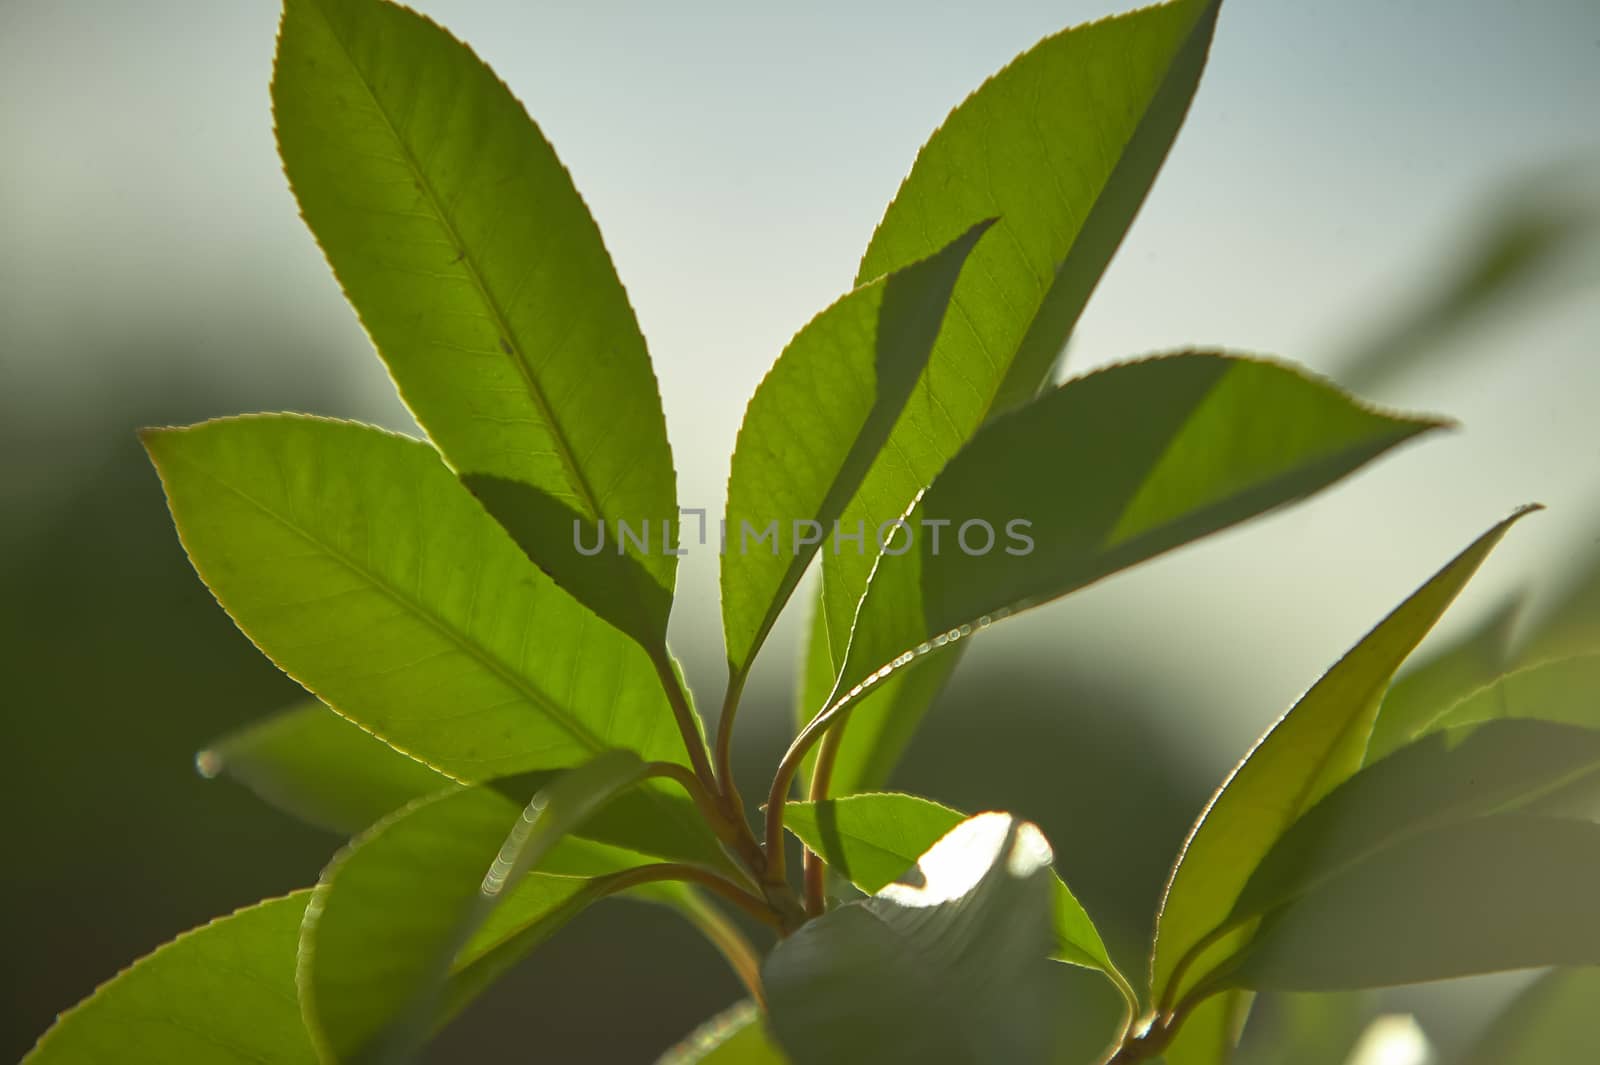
(321, 768)
(1552, 1021)
(324, 769)
(356, 561)
(1062, 145)
(1142, 458)
(436, 885)
(1211, 1032)
(882, 723)
(813, 428)
(222, 994)
(948, 965)
(1511, 891)
(1424, 691)
(478, 272)
(871, 840)
(1304, 1029)
(1445, 778)
(735, 1036)
(1572, 626)
(1311, 750)
(1566, 690)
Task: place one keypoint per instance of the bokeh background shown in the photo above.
(1341, 169)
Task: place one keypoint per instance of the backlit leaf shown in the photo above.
(1313, 748)
(1551, 1021)
(478, 272)
(813, 428)
(736, 1036)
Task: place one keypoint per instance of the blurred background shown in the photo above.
(1400, 195)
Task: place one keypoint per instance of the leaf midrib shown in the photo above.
(513, 348)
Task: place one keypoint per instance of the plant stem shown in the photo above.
(724, 746)
(684, 714)
(815, 873)
(754, 905)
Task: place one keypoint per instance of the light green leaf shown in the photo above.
(871, 840)
(1311, 750)
(222, 994)
(813, 428)
(1122, 465)
(356, 561)
(321, 768)
(1211, 1032)
(882, 723)
(1511, 891)
(1062, 146)
(479, 274)
(1552, 1021)
(735, 1036)
(1424, 691)
(947, 966)
(1565, 690)
(429, 888)
(1444, 778)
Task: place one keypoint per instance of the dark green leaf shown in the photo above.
(321, 768)
(1313, 748)
(948, 966)
(813, 428)
(481, 277)
(430, 889)
(222, 994)
(1304, 1029)
(1552, 1021)
(356, 561)
(1062, 145)
(1491, 894)
(1444, 778)
(871, 840)
(736, 1036)
(1106, 471)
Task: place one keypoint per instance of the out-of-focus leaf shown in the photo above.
(1122, 465)
(1441, 779)
(478, 272)
(222, 994)
(813, 428)
(1211, 1032)
(871, 840)
(735, 1036)
(321, 768)
(1540, 237)
(947, 966)
(431, 890)
(1304, 1029)
(1552, 1021)
(1062, 145)
(1566, 690)
(1310, 751)
(1512, 891)
(1572, 626)
(355, 560)
(1424, 691)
